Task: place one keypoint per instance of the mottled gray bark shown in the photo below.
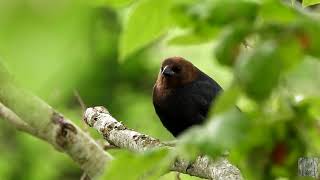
(119, 135)
(309, 166)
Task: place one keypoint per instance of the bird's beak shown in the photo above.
(167, 71)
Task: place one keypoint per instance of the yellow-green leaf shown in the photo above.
(148, 20)
(306, 3)
(132, 166)
(112, 3)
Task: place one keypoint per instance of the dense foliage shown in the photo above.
(264, 53)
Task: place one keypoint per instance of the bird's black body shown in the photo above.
(187, 104)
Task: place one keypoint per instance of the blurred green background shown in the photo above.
(57, 48)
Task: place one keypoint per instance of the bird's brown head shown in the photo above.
(175, 72)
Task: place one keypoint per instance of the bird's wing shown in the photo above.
(204, 96)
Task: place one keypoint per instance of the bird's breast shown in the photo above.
(161, 94)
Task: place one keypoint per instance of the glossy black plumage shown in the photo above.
(183, 95)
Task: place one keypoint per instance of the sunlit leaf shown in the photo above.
(227, 130)
(226, 100)
(258, 71)
(273, 11)
(303, 81)
(181, 14)
(203, 35)
(132, 166)
(310, 2)
(290, 53)
(223, 132)
(228, 46)
(228, 11)
(309, 38)
(112, 3)
(147, 21)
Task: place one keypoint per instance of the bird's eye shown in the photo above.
(176, 69)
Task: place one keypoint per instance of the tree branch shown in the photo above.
(14, 120)
(31, 114)
(119, 135)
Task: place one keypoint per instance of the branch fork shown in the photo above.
(119, 135)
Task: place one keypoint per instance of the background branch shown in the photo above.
(119, 135)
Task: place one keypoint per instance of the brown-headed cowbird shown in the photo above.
(182, 94)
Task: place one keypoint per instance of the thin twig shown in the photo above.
(80, 100)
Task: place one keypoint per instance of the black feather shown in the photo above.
(187, 105)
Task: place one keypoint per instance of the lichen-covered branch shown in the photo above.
(29, 113)
(119, 135)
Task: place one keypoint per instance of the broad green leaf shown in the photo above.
(229, 11)
(306, 3)
(112, 3)
(314, 109)
(228, 46)
(214, 12)
(188, 39)
(278, 108)
(226, 100)
(190, 142)
(309, 36)
(273, 11)
(200, 35)
(258, 71)
(223, 132)
(132, 166)
(303, 81)
(148, 20)
(290, 52)
(227, 131)
(181, 14)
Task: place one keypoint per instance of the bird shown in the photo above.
(183, 95)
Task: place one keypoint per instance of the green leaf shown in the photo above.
(226, 100)
(228, 46)
(258, 71)
(214, 12)
(181, 14)
(314, 109)
(200, 35)
(227, 131)
(229, 11)
(276, 12)
(148, 20)
(223, 132)
(290, 53)
(303, 81)
(306, 3)
(132, 166)
(309, 37)
(112, 3)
